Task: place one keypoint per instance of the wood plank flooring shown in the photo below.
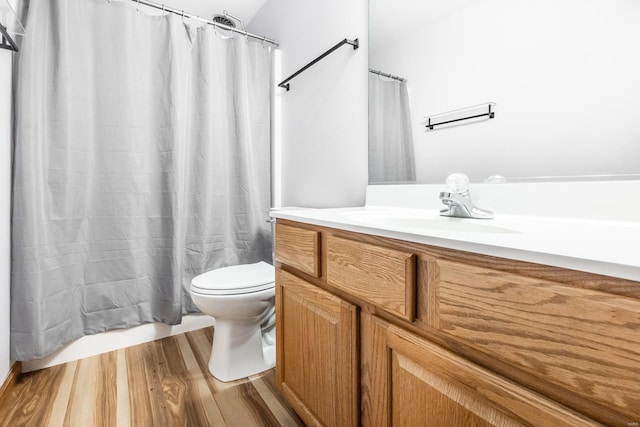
(160, 383)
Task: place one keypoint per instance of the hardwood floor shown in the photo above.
(160, 383)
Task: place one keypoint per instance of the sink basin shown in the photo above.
(413, 221)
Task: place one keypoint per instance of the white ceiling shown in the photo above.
(243, 9)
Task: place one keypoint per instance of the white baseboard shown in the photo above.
(91, 345)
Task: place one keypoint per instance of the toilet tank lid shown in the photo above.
(243, 276)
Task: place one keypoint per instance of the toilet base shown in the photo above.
(239, 351)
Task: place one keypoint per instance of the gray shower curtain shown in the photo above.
(391, 153)
(142, 158)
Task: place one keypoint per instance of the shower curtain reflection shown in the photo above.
(391, 151)
(141, 160)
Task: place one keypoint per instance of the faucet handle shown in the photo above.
(458, 183)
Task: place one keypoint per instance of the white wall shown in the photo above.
(5, 203)
(564, 75)
(323, 131)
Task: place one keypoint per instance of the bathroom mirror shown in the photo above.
(564, 76)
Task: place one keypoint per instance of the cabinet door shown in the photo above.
(409, 381)
(317, 354)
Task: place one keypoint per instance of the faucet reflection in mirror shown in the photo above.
(391, 154)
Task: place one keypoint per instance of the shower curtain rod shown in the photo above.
(197, 18)
(391, 76)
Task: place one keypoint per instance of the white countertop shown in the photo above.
(609, 247)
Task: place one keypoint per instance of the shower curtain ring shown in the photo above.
(138, 6)
(163, 8)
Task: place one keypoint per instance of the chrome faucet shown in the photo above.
(458, 199)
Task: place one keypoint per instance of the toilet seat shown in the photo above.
(236, 279)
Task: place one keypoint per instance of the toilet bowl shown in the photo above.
(241, 299)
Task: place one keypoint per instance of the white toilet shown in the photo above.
(241, 298)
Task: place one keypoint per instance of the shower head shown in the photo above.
(228, 19)
(222, 19)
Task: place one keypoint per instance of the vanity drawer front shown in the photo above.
(382, 276)
(585, 341)
(298, 248)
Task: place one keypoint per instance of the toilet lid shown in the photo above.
(236, 279)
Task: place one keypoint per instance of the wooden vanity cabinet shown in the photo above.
(379, 332)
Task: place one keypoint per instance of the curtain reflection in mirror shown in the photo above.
(391, 156)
